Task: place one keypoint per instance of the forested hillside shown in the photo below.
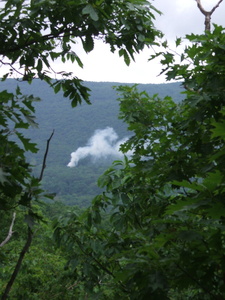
(73, 128)
(156, 230)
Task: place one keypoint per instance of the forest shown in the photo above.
(152, 227)
(76, 186)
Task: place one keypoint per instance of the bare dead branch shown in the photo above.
(45, 157)
(201, 7)
(215, 7)
(207, 14)
(10, 233)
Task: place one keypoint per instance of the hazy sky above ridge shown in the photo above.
(179, 17)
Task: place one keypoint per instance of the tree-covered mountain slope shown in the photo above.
(73, 127)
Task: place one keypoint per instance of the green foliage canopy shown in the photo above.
(36, 33)
(157, 232)
(33, 35)
(164, 206)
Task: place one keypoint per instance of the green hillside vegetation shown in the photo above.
(73, 128)
(156, 230)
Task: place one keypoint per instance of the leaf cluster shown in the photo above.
(34, 34)
(157, 231)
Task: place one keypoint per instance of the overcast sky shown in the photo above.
(179, 17)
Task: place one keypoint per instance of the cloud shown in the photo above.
(102, 144)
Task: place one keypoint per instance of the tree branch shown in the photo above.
(201, 7)
(64, 32)
(207, 14)
(215, 7)
(45, 157)
(11, 66)
(18, 265)
(10, 231)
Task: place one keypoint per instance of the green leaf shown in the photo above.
(190, 185)
(126, 57)
(216, 211)
(79, 61)
(213, 180)
(88, 43)
(89, 10)
(178, 42)
(27, 144)
(39, 65)
(3, 176)
(218, 130)
(182, 205)
(141, 37)
(57, 87)
(18, 91)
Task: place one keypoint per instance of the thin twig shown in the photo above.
(11, 66)
(215, 7)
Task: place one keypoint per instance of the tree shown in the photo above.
(207, 14)
(33, 35)
(157, 232)
(43, 274)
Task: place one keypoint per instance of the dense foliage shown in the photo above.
(38, 32)
(33, 35)
(43, 274)
(157, 232)
(75, 185)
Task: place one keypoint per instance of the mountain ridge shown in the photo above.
(73, 128)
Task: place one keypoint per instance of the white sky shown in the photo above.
(179, 17)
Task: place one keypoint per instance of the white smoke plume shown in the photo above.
(101, 145)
